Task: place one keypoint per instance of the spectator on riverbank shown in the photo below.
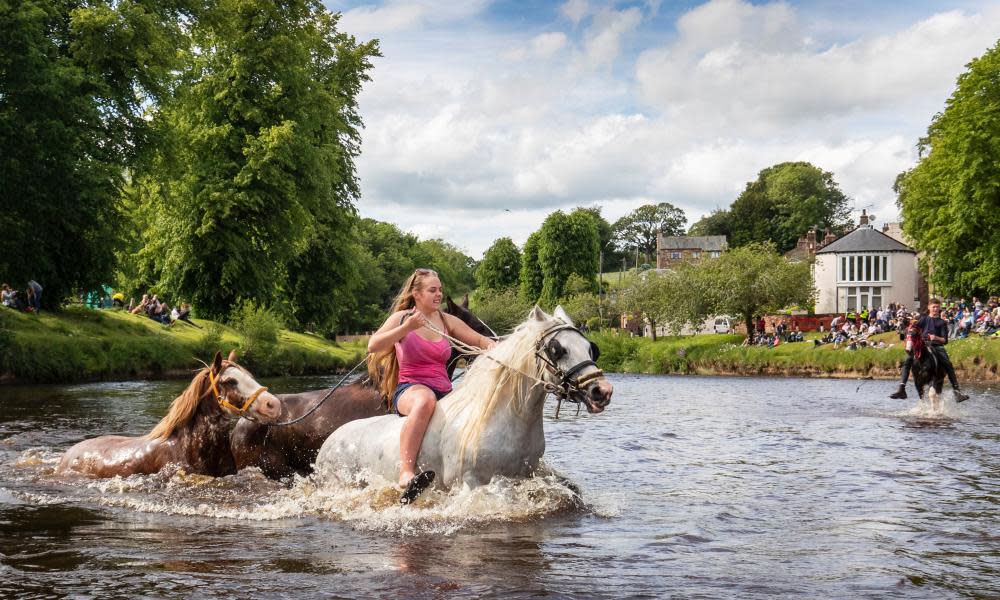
(7, 296)
(35, 296)
(141, 307)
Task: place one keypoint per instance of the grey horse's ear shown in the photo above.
(232, 356)
(217, 362)
(537, 314)
(560, 313)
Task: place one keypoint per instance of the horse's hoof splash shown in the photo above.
(420, 482)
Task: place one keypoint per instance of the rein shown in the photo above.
(306, 414)
(567, 385)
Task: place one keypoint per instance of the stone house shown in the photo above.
(671, 249)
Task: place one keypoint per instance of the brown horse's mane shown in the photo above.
(182, 409)
(918, 343)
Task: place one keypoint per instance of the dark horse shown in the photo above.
(193, 435)
(283, 451)
(927, 369)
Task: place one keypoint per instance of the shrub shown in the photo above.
(502, 310)
(258, 326)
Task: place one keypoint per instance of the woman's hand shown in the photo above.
(414, 320)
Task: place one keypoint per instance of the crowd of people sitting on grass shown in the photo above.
(783, 334)
(151, 306)
(27, 300)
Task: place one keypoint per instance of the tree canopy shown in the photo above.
(500, 268)
(254, 173)
(781, 205)
(637, 231)
(75, 81)
(567, 244)
(949, 200)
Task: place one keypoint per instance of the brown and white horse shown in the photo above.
(193, 435)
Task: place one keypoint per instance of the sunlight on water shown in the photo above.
(366, 502)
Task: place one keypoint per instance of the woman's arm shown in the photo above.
(392, 330)
(465, 333)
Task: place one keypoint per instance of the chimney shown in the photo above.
(864, 218)
(811, 238)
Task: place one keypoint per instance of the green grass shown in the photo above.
(974, 358)
(79, 344)
(612, 279)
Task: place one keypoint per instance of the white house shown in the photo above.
(865, 269)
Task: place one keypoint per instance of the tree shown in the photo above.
(256, 160)
(949, 200)
(647, 297)
(606, 238)
(784, 202)
(638, 229)
(567, 244)
(716, 223)
(76, 80)
(749, 281)
(502, 309)
(455, 268)
(500, 268)
(531, 277)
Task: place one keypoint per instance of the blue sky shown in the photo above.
(484, 117)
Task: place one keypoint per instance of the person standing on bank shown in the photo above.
(410, 358)
(935, 332)
(35, 296)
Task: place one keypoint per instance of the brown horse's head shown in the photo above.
(238, 393)
(915, 341)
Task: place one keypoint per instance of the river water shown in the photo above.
(692, 487)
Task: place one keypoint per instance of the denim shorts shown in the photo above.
(405, 386)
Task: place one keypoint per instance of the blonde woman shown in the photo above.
(411, 358)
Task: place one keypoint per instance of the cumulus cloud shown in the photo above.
(575, 10)
(749, 64)
(402, 15)
(471, 122)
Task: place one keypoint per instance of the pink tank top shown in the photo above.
(424, 362)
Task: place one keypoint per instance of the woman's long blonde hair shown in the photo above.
(383, 367)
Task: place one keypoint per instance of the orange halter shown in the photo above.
(224, 403)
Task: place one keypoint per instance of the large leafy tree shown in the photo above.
(500, 268)
(531, 278)
(637, 230)
(254, 180)
(784, 202)
(76, 79)
(455, 268)
(749, 281)
(950, 200)
(567, 244)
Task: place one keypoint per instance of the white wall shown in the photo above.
(901, 290)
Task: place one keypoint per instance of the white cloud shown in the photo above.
(602, 40)
(749, 65)
(464, 121)
(575, 10)
(402, 15)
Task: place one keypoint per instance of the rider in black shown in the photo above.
(935, 332)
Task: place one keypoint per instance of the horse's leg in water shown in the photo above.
(417, 404)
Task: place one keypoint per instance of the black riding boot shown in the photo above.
(950, 370)
(900, 394)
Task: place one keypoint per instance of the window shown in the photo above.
(695, 254)
(715, 254)
(864, 268)
(675, 255)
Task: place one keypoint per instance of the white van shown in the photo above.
(722, 325)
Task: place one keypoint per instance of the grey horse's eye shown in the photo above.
(556, 350)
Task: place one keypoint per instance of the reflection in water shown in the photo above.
(710, 487)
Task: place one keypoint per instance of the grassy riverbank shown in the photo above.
(79, 344)
(975, 359)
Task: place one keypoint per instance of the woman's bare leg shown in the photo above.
(417, 403)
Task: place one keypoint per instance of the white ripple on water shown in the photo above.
(366, 502)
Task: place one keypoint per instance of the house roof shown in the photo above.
(705, 243)
(865, 239)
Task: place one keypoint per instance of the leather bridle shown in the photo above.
(569, 384)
